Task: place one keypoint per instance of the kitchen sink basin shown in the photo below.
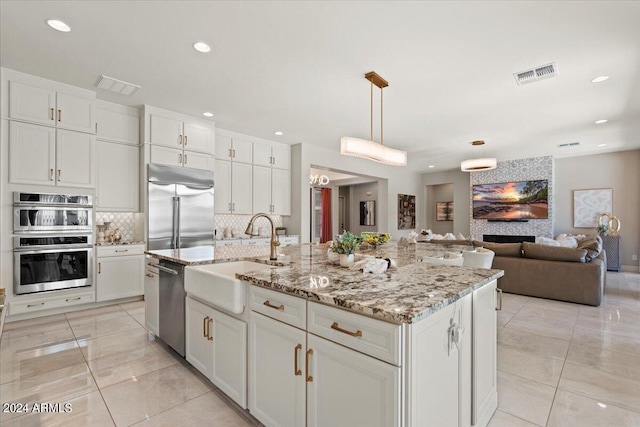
(217, 283)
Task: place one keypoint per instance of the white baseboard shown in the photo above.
(631, 268)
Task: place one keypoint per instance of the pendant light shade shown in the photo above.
(476, 165)
(373, 151)
(368, 149)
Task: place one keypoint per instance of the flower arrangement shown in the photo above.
(375, 239)
(603, 229)
(346, 243)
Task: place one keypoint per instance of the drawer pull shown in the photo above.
(309, 377)
(209, 337)
(152, 264)
(337, 327)
(149, 275)
(122, 250)
(499, 307)
(296, 370)
(35, 305)
(205, 321)
(73, 299)
(277, 307)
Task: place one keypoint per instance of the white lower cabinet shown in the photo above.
(120, 272)
(216, 345)
(485, 357)
(348, 388)
(277, 375)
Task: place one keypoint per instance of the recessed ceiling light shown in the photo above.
(58, 25)
(600, 79)
(599, 122)
(431, 166)
(202, 47)
(602, 145)
(279, 133)
(207, 114)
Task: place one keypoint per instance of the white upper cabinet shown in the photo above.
(182, 133)
(74, 154)
(281, 192)
(117, 123)
(53, 157)
(233, 187)
(40, 104)
(233, 149)
(272, 154)
(118, 186)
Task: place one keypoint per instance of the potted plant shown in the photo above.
(346, 245)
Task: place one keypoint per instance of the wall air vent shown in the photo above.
(568, 145)
(117, 86)
(536, 74)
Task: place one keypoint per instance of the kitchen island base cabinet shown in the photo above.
(277, 383)
(348, 388)
(216, 345)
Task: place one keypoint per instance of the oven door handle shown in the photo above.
(167, 270)
(40, 248)
(52, 250)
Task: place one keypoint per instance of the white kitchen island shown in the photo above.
(330, 346)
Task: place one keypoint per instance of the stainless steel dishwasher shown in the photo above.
(171, 305)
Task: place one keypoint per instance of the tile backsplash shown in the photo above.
(124, 221)
(239, 224)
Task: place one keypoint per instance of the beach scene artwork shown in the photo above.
(511, 200)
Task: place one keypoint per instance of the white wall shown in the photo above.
(399, 181)
(619, 171)
(435, 194)
(461, 196)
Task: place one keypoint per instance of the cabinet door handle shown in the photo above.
(306, 367)
(185, 140)
(337, 327)
(277, 307)
(59, 174)
(73, 299)
(51, 109)
(296, 370)
(233, 206)
(35, 305)
(229, 207)
(234, 153)
(99, 267)
(205, 323)
(499, 307)
(180, 158)
(230, 152)
(274, 160)
(51, 174)
(179, 139)
(59, 115)
(149, 275)
(209, 337)
(185, 158)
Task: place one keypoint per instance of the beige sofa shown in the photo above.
(565, 274)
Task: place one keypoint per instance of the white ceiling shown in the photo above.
(298, 67)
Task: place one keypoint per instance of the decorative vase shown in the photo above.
(332, 256)
(346, 260)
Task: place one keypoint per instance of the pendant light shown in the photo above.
(368, 149)
(477, 165)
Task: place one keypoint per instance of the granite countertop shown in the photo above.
(121, 243)
(405, 294)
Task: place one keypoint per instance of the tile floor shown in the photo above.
(559, 364)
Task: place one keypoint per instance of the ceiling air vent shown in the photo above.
(568, 145)
(536, 74)
(117, 86)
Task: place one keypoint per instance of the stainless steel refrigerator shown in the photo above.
(180, 207)
(180, 216)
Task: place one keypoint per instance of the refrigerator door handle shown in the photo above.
(176, 222)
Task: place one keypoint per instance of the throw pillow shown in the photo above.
(547, 241)
(552, 253)
(501, 249)
(593, 246)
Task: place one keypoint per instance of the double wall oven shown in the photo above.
(53, 242)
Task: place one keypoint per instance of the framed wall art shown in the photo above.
(589, 204)
(406, 212)
(444, 211)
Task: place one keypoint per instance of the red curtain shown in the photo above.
(325, 212)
